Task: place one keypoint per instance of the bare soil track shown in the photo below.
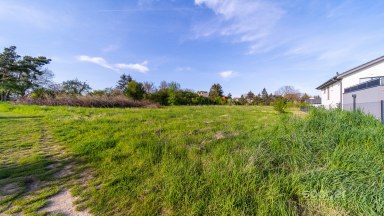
(41, 183)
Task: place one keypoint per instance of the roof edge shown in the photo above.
(360, 67)
(350, 71)
(329, 82)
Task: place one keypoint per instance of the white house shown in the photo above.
(355, 80)
(203, 93)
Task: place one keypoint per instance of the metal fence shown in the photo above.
(374, 108)
(364, 85)
(306, 108)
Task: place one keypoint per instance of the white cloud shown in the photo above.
(245, 20)
(139, 67)
(142, 67)
(96, 60)
(227, 74)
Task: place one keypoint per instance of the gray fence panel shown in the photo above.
(373, 108)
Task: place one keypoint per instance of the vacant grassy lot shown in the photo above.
(191, 160)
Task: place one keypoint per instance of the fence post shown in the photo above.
(382, 111)
(354, 102)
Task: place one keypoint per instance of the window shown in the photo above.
(328, 93)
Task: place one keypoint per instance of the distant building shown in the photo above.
(203, 93)
(316, 102)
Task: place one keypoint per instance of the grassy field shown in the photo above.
(216, 160)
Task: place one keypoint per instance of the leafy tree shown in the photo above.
(229, 96)
(75, 87)
(160, 97)
(200, 100)
(172, 97)
(250, 95)
(19, 75)
(174, 85)
(242, 100)
(216, 91)
(135, 90)
(123, 82)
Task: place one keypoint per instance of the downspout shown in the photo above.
(341, 94)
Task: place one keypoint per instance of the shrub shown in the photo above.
(135, 90)
(87, 101)
(41, 93)
(280, 104)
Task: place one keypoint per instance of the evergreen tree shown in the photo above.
(19, 75)
(123, 82)
(265, 99)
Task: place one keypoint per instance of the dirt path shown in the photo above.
(63, 203)
(41, 182)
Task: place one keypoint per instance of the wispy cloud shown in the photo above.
(244, 20)
(338, 47)
(138, 67)
(31, 15)
(22, 14)
(183, 69)
(227, 74)
(111, 48)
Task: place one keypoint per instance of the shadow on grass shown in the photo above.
(20, 117)
(27, 187)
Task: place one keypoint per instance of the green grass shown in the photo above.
(220, 160)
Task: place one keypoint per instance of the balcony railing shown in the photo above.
(369, 84)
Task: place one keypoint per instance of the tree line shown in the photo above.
(26, 76)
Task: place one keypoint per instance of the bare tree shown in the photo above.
(289, 93)
(163, 85)
(149, 87)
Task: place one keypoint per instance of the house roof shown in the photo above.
(329, 82)
(351, 71)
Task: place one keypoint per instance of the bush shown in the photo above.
(42, 93)
(280, 104)
(87, 101)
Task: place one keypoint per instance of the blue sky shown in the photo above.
(241, 44)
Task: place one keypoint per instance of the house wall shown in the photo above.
(354, 79)
(367, 100)
(334, 99)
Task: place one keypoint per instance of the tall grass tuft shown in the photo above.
(335, 160)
